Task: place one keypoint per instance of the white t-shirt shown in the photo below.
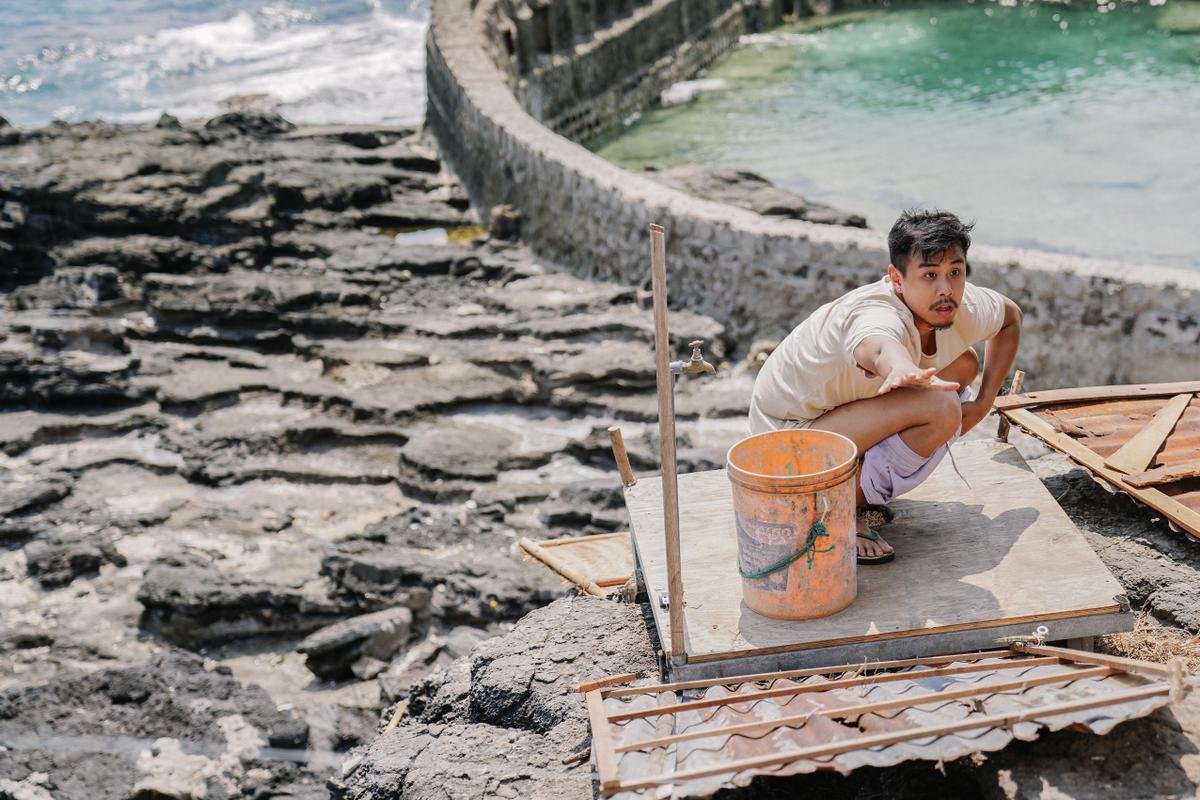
(813, 369)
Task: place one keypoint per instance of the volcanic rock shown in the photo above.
(196, 605)
(570, 640)
(57, 559)
(127, 729)
(71, 287)
(333, 650)
(512, 730)
(424, 762)
(250, 122)
(751, 191)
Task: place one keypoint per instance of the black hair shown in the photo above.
(929, 233)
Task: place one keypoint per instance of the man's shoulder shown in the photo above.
(981, 314)
(981, 297)
(879, 291)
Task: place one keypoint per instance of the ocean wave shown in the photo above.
(365, 64)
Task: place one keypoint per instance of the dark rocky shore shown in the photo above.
(264, 467)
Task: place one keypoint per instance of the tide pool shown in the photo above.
(1063, 129)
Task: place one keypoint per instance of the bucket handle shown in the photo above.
(808, 549)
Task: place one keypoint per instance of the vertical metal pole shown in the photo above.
(666, 428)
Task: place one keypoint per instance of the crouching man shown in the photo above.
(889, 366)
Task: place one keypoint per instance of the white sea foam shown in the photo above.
(367, 66)
(684, 92)
(779, 39)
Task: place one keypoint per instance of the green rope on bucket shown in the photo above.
(810, 549)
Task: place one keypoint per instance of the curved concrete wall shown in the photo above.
(1087, 322)
(582, 66)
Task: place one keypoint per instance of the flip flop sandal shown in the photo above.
(885, 512)
(872, 560)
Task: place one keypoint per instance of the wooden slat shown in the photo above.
(669, 485)
(877, 638)
(600, 683)
(971, 722)
(841, 669)
(602, 744)
(569, 540)
(1161, 475)
(847, 712)
(1133, 665)
(1018, 383)
(1170, 508)
(1087, 393)
(621, 456)
(1137, 453)
(844, 683)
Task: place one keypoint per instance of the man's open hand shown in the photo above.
(916, 378)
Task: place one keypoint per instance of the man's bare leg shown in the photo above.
(924, 418)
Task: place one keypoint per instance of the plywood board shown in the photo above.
(1137, 453)
(1094, 393)
(993, 555)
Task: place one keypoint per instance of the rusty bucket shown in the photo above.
(793, 500)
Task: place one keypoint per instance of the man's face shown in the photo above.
(933, 288)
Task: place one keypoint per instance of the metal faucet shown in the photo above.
(696, 364)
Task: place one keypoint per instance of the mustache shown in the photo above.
(946, 302)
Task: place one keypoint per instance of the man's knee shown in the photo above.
(946, 412)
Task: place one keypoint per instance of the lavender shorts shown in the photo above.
(891, 468)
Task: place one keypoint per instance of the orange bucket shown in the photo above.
(793, 500)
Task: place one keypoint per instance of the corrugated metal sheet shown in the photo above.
(843, 719)
(1104, 425)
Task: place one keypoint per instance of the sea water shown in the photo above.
(130, 60)
(1071, 129)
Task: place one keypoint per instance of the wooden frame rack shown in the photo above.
(694, 737)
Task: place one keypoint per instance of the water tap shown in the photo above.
(696, 364)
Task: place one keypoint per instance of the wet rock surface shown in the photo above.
(243, 420)
(503, 719)
(238, 413)
(171, 726)
(752, 192)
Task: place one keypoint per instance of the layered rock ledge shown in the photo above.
(263, 466)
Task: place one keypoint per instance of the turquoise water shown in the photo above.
(129, 60)
(1066, 129)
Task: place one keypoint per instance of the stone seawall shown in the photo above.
(1087, 321)
(581, 67)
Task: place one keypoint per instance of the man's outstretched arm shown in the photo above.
(884, 356)
(999, 353)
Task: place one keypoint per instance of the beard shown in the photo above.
(941, 326)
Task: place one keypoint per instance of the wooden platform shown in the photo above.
(974, 565)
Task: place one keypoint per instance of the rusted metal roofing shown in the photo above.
(1090, 425)
(692, 738)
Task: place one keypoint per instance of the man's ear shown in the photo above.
(896, 277)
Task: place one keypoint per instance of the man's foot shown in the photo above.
(887, 514)
(871, 547)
